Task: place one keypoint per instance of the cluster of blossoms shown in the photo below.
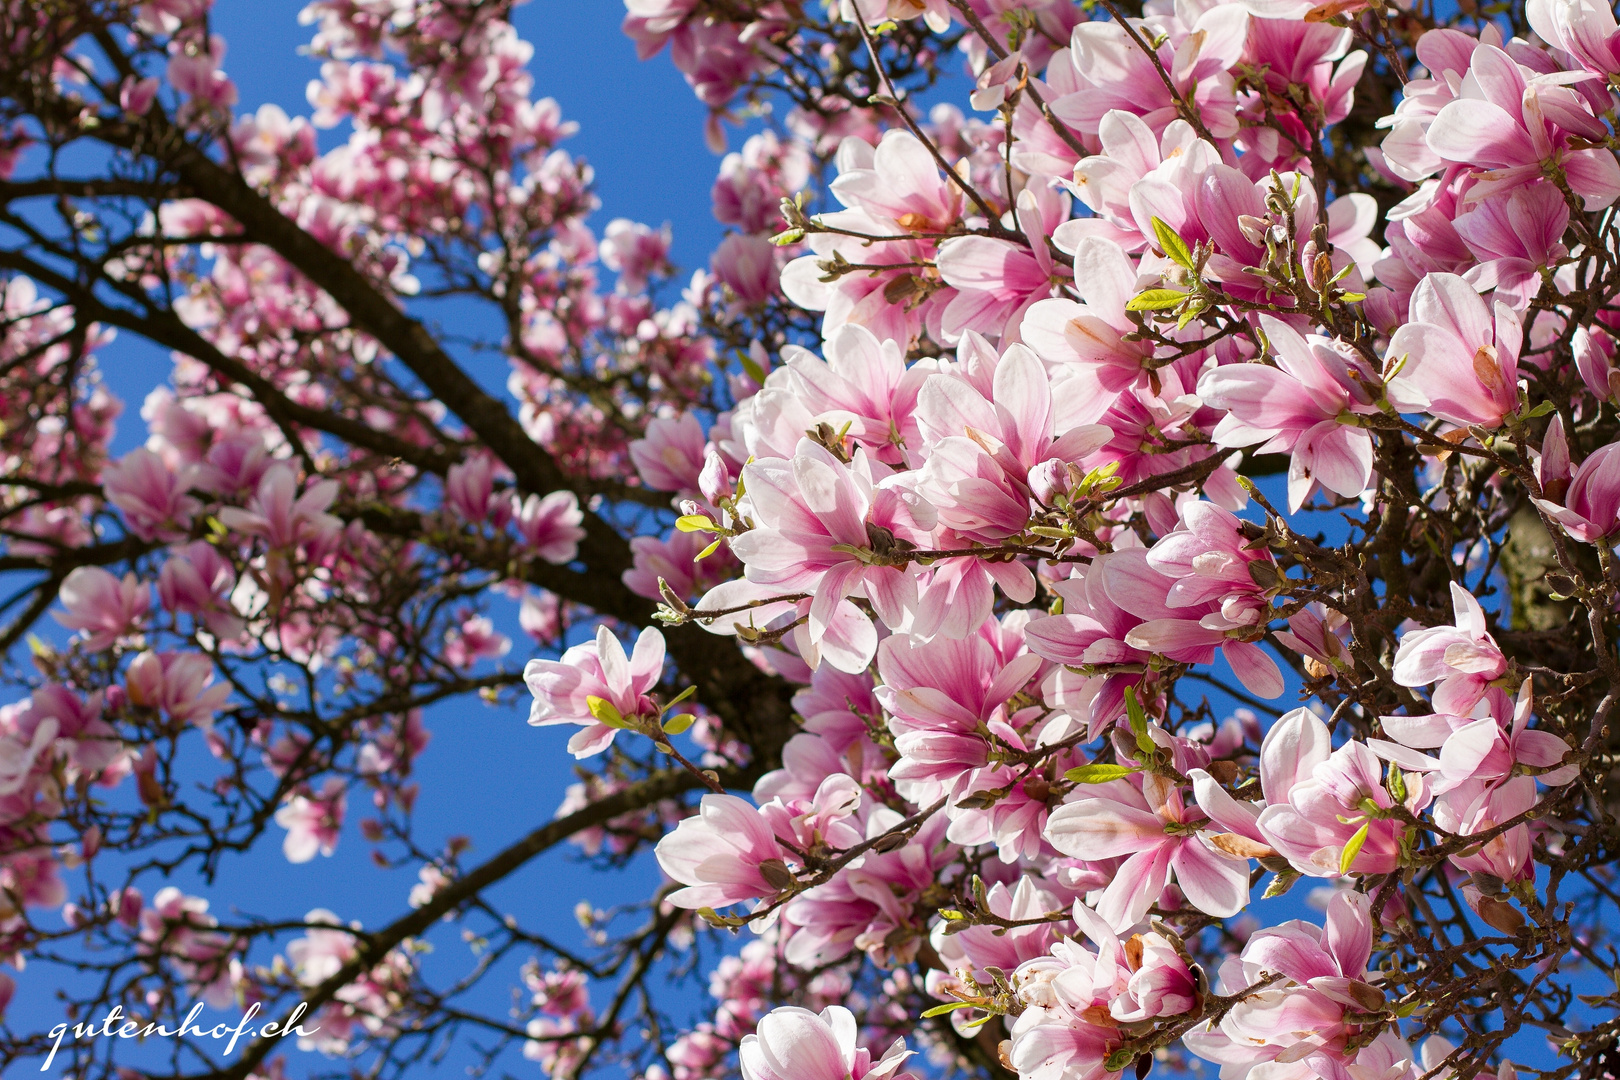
(1044, 369)
(1251, 348)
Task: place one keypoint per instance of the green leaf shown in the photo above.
(751, 368)
(1171, 243)
(1098, 774)
(675, 725)
(1353, 848)
(678, 698)
(706, 552)
(605, 711)
(1540, 410)
(1138, 719)
(1353, 297)
(1155, 300)
(941, 1010)
(695, 523)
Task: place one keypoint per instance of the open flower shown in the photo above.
(1452, 359)
(1158, 834)
(596, 686)
(724, 854)
(797, 1044)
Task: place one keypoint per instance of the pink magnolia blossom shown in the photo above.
(833, 530)
(674, 559)
(823, 819)
(1452, 359)
(135, 96)
(753, 182)
(1113, 73)
(943, 697)
(469, 493)
(1310, 1015)
(1154, 829)
(88, 744)
(1512, 124)
(1211, 558)
(1060, 1033)
(179, 928)
(724, 854)
(1462, 658)
(1476, 748)
(559, 993)
(1590, 508)
(958, 594)
(1298, 58)
(26, 742)
(1594, 350)
(872, 906)
(1516, 236)
(635, 252)
(979, 947)
(747, 266)
(1075, 999)
(540, 616)
(1316, 796)
(1131, 153)
(283, 517)
(670, 456)
(198, 580)
(313, 821)
(235, 464)
(796, 1044)
(1092, 334)
(550, 526)
(1092, 632)
(102, 606)
(1584, 29)
(321, 953)
(864, 385)
(195, 73)
(153, 498)
(997, 280)
(563, 688)
(1189, 632)
(474, 640)
(979, 483)
(1299, 408)
(1479, 806)
(180, 685)
(1320, 635)
(892, 190)
(651, 22)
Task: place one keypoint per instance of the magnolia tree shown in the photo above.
(1058, 524)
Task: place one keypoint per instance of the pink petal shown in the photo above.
(1292, 749)
(1257, 671)
(1212, 882)
(1097, 828)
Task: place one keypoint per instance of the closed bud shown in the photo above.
(776, 874)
